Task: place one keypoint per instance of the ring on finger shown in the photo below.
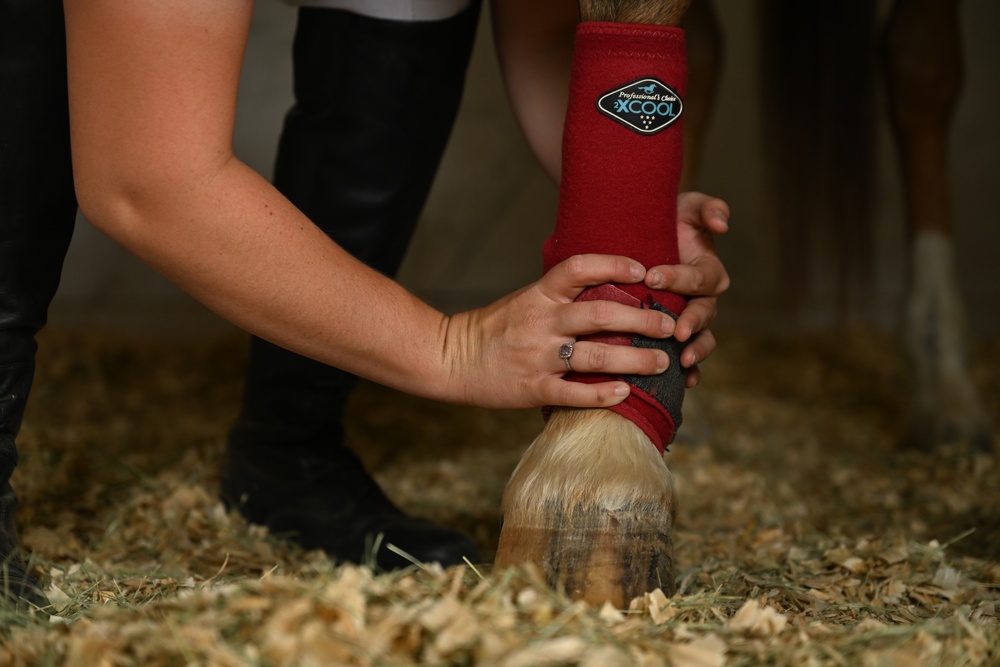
(565, 352)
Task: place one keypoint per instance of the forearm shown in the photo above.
(534, 43)
(234, 243)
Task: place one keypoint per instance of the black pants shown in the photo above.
(375, 104)
(37, 203)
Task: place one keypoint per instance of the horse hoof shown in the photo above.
(601, 555)
(592, 505)
(928, 430)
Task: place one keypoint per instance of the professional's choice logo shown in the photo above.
(646, 105)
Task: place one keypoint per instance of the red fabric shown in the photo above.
(639, 408)
(642, 409)
(619, 187)
(618, 191)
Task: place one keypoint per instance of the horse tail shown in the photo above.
(818, 78)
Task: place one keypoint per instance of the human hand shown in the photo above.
(506, 355)
(700, 275)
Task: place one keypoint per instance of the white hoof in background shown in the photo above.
(946, 405)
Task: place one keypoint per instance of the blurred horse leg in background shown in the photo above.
(818, 94)
(923, 64)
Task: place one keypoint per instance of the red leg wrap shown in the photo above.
(621, 165)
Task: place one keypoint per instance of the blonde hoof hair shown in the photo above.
(592, 504)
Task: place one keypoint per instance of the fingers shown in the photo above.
(701, 272)
(591, 357)
(532, 324)
(596, 357)
(700, 347)
(696, 351)
(567, 279)
(580, 395)
(588, 317)
(700, 210)
(705, 276)
(697, 316)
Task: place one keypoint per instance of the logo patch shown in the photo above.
(645, 106)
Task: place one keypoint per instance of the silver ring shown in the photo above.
(565, 352)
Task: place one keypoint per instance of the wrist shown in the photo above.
(450, 382)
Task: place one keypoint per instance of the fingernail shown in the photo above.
(654, 279)
(621, 389)
(722, 217)
(662, 361)
(637, 271)
(668, 325)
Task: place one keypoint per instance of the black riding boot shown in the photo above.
(375, 103)
(37, 210)
(17, 586)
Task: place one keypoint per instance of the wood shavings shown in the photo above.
(755, 620)
(707, 651)
(805, 536)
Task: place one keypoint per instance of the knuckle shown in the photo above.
(602, 313)
(696, 320)
(622, 267)
(543, 392)
(700, 349)
(701, 312)
(599, 396)
(566, 394)
(598, 358)
(698, 280)
(604, 399)
(534, 320)
(575, 266)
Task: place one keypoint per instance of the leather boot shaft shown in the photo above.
(37, 205)
(375, 104)
(37, 202)
(37, 212)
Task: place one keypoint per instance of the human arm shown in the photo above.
(153, 97)
(534, 46)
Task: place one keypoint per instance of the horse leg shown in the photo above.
(924, 76)
(591, 502)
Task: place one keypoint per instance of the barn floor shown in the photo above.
(805, 535)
